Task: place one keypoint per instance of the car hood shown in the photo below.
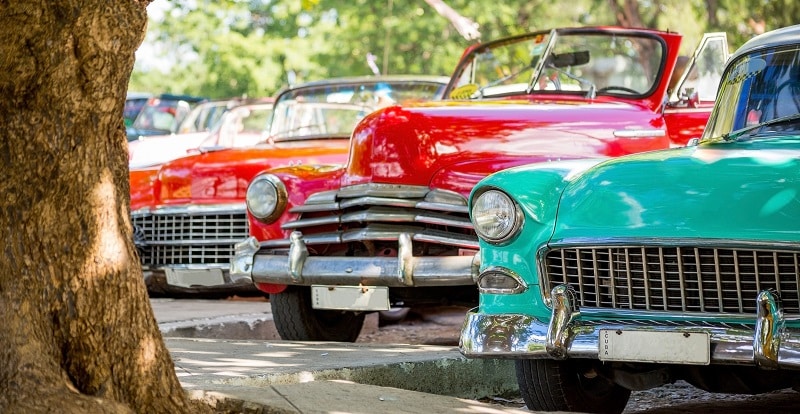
(731, 191)
(148, 151)
(222, 176)
(415, 144)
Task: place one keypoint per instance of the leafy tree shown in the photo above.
(228, 48)
(224, 48)
(743, 19)
(79, 335)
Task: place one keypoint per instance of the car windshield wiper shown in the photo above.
(735, 135)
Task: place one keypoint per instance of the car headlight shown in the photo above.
(495, 216)
(266, 198)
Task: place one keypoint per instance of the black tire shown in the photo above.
(549, 385)
(296, 320)
(392, 316)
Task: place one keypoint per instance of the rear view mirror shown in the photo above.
(570, 59)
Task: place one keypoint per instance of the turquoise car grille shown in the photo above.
(675, 279)
(175, 237)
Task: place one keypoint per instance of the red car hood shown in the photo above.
(414, 145)
(223, 176)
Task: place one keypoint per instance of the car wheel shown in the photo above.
(571, 385)
(392, 316)
(296, 320)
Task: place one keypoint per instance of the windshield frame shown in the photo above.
(732, 116)
(455, 89)
(400, 86)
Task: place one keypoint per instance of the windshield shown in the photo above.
(241, 126)
(334, 109)
(162, 115)
(756, 89)
(584, 62)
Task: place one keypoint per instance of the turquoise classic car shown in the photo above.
(599, 277)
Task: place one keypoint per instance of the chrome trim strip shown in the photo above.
(309, 207)
(595, 243)
(382, 214)
(192, 209)
(190, 242)
(381, 232)
(383, 190)
(521, 284)
(376, 201)
(316, 221)
(639, 133)
(443, 207)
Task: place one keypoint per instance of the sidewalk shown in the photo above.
(274, 376)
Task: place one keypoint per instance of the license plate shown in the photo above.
(655, 346)
(194, 277)
(360, 298)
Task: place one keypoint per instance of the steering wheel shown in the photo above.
(618, 88)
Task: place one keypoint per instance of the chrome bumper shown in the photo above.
(298, 268)
(768, 343)
(184, 279)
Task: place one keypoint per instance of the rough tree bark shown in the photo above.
(78, 332)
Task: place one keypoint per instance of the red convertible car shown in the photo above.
(390, 228)
(189, 213)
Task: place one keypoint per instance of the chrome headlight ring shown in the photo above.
(495, 216)
(266, 198)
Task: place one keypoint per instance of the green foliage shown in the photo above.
(226, 48)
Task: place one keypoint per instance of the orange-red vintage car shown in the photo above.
(189, 213)
(390, 228)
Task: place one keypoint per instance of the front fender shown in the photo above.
(300, 182)
(537, 190)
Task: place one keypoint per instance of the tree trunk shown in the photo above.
(78, 331)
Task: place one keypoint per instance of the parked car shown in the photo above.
(134, 102)
(187, 224)
(218, 124)
(391, 227)
(604, 276)
(162, 115)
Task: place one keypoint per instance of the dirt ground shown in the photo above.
(427, 326)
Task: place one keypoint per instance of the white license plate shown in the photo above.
(655, 346)
(360, 298)
(194, 277)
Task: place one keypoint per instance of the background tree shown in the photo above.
(79, 335)
(287, 41)
(222, 48)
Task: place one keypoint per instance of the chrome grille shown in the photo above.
(381, 212)
(683, 279)
(189, 236)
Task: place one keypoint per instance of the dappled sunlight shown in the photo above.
(763, 157)
(109, 252)
(477, 407)
(146, 356)
(233, 362)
